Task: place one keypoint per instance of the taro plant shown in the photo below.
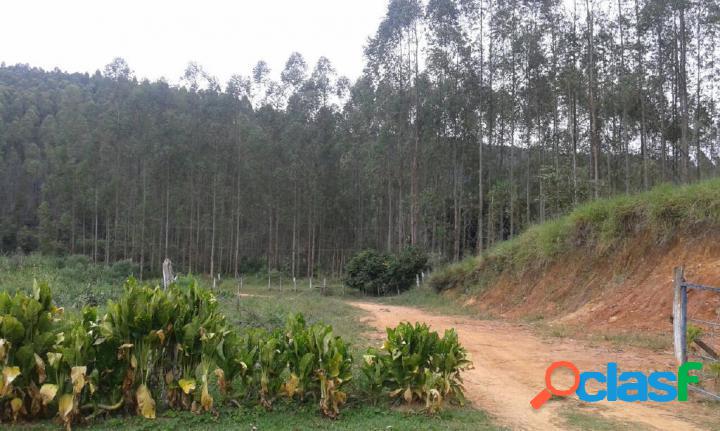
(29, 335)
(416, 364)
(156, 347)
(319, 364)
(166, 341)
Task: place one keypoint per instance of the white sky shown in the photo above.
(159, 37)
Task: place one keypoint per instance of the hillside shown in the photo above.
(607, 264)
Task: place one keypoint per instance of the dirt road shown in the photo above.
(509, 368)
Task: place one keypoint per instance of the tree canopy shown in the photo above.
(471, 120)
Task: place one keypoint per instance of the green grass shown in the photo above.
(269, 308)
(597, 227)
(355, 418)
(75, 280)
(577, 419)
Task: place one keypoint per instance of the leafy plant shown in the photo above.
(416, 364)
(29, 335)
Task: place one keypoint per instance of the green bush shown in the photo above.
(416, 364)
(379, 273)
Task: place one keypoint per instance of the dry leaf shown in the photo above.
(48, 392)
(291, 384)
(40, 367)
(9, 375)
(220, 374)
(16, 405)
(77, 376)
(206, 400)
(145, 402)
(66, 405)
(4, 349)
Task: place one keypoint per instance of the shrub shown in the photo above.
(378, 273)
(416, 364)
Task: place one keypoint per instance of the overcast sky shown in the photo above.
(159, 37)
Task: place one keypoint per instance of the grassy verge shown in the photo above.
(596, 227)
(650, 341)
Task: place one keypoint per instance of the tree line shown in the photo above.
(471, 120)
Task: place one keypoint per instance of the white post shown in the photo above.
(268, 280)
(167, 273)
(237, 299)
(417, 280)
(294, 284)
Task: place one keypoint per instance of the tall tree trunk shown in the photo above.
(698, 62)
(479, 234)
(594, 138)
(682, 88)
(212, 240)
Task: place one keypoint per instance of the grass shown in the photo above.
(650, 341)
(355, 418)
(269, 308)
(75, 280)
(577, 419)
(427, 299)
(597, 227)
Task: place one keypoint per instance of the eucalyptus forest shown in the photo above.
(471, 121)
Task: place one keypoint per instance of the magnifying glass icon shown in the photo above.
(543, 396)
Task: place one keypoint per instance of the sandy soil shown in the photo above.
(509, 368)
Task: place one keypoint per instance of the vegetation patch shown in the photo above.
(416, 364)
(173, 350)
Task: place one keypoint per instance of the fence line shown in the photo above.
(703, 350)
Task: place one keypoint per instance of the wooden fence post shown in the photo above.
(680, 316)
